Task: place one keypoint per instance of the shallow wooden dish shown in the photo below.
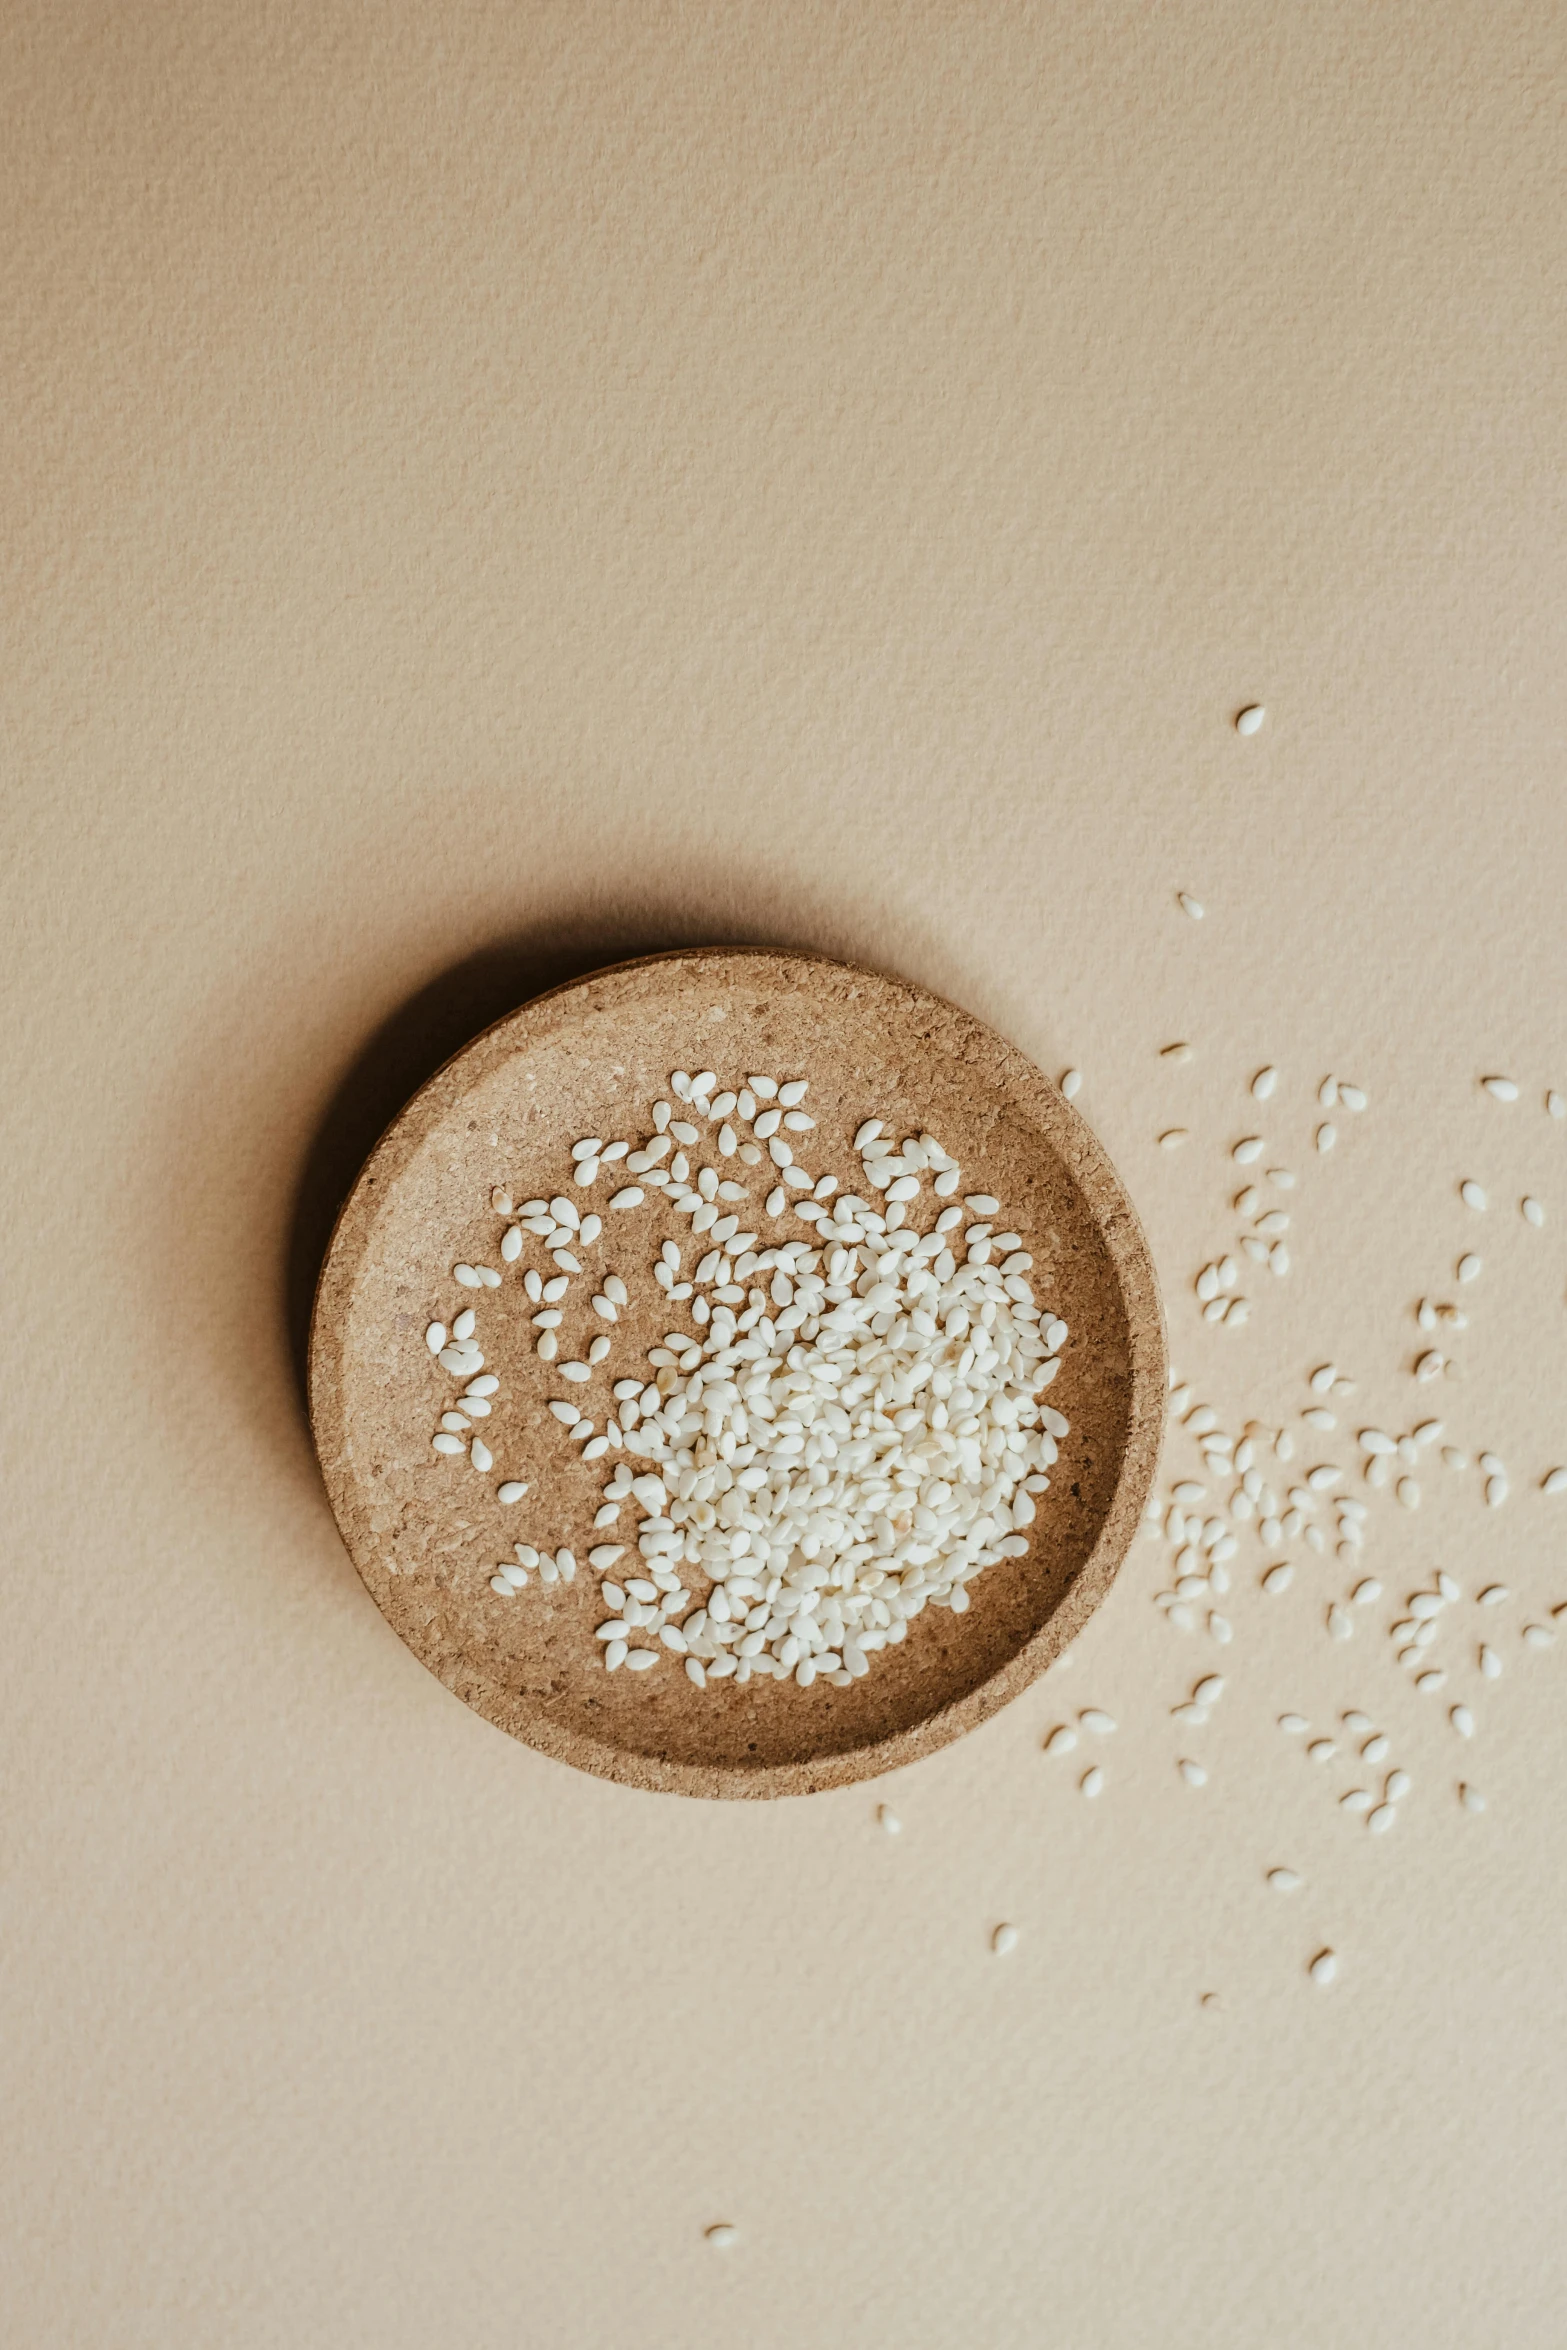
(591, 1058)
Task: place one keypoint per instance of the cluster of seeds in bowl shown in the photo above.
(852, 1430)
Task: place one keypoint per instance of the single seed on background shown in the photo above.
(1501, 1089)
(1263, 1084)
(1532, 1211)
(889, 1820)
(1470, 1797)
(1248, 721)
(1472, 1195)
(1190, 905)
(722, 2236)
(1072, 1083)
(1324, 1968)
(1285, 1880)
(1327, 1136)
(1003, 1940)
(1092, 1781)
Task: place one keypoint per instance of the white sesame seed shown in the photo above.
(641, 1660)
(1327, 1136)
(1500, 1089)
(480, 1455)
(1285, 1880)
(1431, 1682)
(722, 2236)
(1556, 1104)
(1321, 1750)
(448, 1444)
(1061, 1740)
(1190, 905)
(1293, 1724)
(1278, 1578)
(1352, 1096)
(1323, 1969)
(1101, 1724)
(1538, 1636)
(1381, 1819)
(1340, 1625)
(1252, 1147)
(1532, 1212)
(631, 1197)
(1092, 1781)
(1470, 1797)
(1071, 1083)
(1493, 1595)
(1264, 1083)
(1179, 1053)
(1356, 1800)
(435, 1337)
(1192, 1772)
(1003, 1940)
(1463, 1720)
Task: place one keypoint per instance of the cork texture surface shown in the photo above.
(426, 1533)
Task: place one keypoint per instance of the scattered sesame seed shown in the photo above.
(1003, 1940)
(1327, 1136)
(1190, 905)
(1092, 1781)
(1072, 1083)
(1500, 1089)
(1247, 721)
(1323, 1969)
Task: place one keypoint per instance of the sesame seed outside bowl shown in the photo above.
(592, 1060)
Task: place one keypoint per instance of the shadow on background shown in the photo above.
(417, 1039)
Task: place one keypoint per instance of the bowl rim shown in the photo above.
(1114, 1218)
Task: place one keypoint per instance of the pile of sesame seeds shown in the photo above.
(849, 1428)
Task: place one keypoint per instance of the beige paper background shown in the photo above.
(497, 488)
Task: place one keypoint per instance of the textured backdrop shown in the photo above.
(498, 488)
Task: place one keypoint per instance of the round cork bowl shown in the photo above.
(426, 1532)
